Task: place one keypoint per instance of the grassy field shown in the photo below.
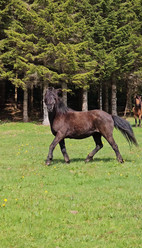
(93, 205)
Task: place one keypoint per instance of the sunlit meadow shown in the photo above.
(93, 205)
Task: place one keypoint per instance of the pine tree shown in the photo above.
(116, 39)
(17, 46)
(70, 42)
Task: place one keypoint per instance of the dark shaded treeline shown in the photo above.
(90, 48)
(13, 110)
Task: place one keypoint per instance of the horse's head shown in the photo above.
(138, 101)
(51, 98)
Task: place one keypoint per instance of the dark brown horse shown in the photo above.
(137, 110)
(66, 123)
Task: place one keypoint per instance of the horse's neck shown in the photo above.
(58, 110)
(51, 116)
(138, 107)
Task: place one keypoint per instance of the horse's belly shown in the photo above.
(78, 135)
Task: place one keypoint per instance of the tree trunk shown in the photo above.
(45, 112)
(100, 97)
(25, 106)
(84, 100)
(113, 97)
(132, 89)
(106, 102)
(32, 97)
(15, 97)
(128, 106)
(64, 88)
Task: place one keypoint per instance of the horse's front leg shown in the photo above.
(139, 120)
(63, 150)
(56, 140)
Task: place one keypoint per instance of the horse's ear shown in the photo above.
(138, 96)
(59, 92)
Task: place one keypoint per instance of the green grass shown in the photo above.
(93, 205)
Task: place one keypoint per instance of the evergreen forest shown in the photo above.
(92, 49)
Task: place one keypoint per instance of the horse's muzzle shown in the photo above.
(50, 108)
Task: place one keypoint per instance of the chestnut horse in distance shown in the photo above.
(67, 123)
(137, 110)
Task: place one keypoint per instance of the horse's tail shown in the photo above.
(125, 128)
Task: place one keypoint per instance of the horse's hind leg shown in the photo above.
(111, 141)
(63, 150)
(99, 145)
(135, 121)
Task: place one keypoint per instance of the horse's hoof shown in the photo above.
(88, 159)
(48, 163)
(67, 162)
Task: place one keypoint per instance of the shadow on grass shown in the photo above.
(133, 125)
(78, 160)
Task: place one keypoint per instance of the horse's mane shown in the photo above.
(61, 108)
